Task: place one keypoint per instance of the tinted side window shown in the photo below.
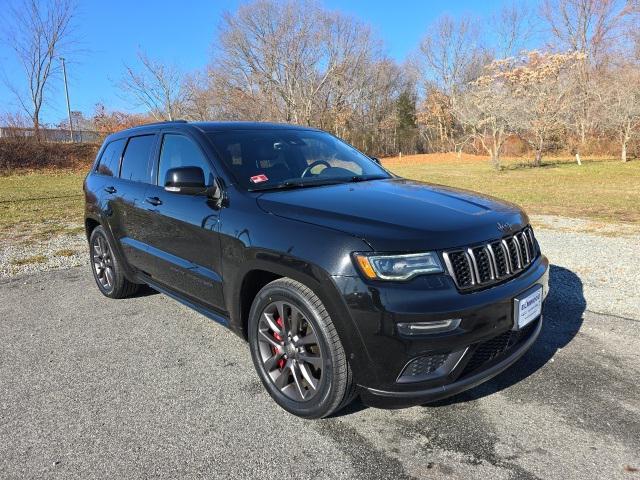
(135, 162)
(110, 159)
(180, 151)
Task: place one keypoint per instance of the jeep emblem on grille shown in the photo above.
(504, 227)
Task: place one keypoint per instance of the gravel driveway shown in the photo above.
(605, 257)
(140, 388)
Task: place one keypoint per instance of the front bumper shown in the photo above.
(383, 398)
(461, 358)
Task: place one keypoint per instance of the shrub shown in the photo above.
(19, 154)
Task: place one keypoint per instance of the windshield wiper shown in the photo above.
(364, 178)
(290, 184)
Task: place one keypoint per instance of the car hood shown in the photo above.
(398, 215)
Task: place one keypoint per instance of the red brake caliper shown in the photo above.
(278, 337)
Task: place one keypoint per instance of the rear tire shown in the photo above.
(296, 351)
(106, 268)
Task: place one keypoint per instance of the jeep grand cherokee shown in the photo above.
(344, 279)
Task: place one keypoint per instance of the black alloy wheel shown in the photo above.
(289, 350)
(106, 267)
(297, 352)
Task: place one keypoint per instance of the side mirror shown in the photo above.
(376, 159)
(185, 180)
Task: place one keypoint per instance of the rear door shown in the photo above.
(129, 215)
(183, 230)
(106, 183)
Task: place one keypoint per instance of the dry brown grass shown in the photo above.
(21, 155)
(65, 252)
(30, 260)
(449, 157)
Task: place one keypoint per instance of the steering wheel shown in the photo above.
(307, 170)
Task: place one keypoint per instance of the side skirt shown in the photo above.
(212, 315)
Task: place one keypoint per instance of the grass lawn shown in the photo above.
(39, 204)
(44, 204)
(604, 190)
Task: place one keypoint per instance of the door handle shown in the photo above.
(155, 201)
(110, 189)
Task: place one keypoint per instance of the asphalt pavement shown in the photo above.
(145, 388)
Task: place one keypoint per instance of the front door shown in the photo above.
(182, 233)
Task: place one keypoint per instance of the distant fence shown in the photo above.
(52, 134)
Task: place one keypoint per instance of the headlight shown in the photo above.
(398, 267)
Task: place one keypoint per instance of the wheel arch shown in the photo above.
(90, 224)
(252, 283)
(255, 275)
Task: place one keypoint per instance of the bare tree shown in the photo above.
(618, 105)
(106, 122)
(293, 57)
(39, 31)
(436, 120)
(155, 85)
(591, 28)
(14, 124)
(541, 94)
(200, 97)
(487, 109)
(513, 26)
(450, 56)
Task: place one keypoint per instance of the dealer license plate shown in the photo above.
(527, 307)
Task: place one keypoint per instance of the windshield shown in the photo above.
(279, 158)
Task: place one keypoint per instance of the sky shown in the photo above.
(182, 32)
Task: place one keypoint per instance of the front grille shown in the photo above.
(502, 267)
(514, 253)
(421, 367)
(460, 262)
(496, 347)
(479, 266)
(483, 264)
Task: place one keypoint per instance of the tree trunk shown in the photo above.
(578, 161)
(495, 159)
(538, 161)
(36, 126)
(623, 156)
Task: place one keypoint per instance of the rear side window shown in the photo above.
(110, 159)
(135, 162)
(181, 151)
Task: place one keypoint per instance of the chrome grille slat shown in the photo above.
(532, 244)
(474, 265)
(488, 263)
(524, 247)
(494, 264)
(505, 249)
(516, 246)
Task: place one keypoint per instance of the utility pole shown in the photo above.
(66, 92)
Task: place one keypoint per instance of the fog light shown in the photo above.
(421, 328)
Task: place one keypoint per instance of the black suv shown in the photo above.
(345, 279)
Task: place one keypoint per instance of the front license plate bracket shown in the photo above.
(527, 307)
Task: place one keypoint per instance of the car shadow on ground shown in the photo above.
(145, 291)
(563, 316)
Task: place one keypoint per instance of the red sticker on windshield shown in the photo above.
(258, 178)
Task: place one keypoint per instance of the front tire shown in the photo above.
(106, 268)
(296, 351)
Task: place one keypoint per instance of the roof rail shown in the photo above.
(164, 122)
